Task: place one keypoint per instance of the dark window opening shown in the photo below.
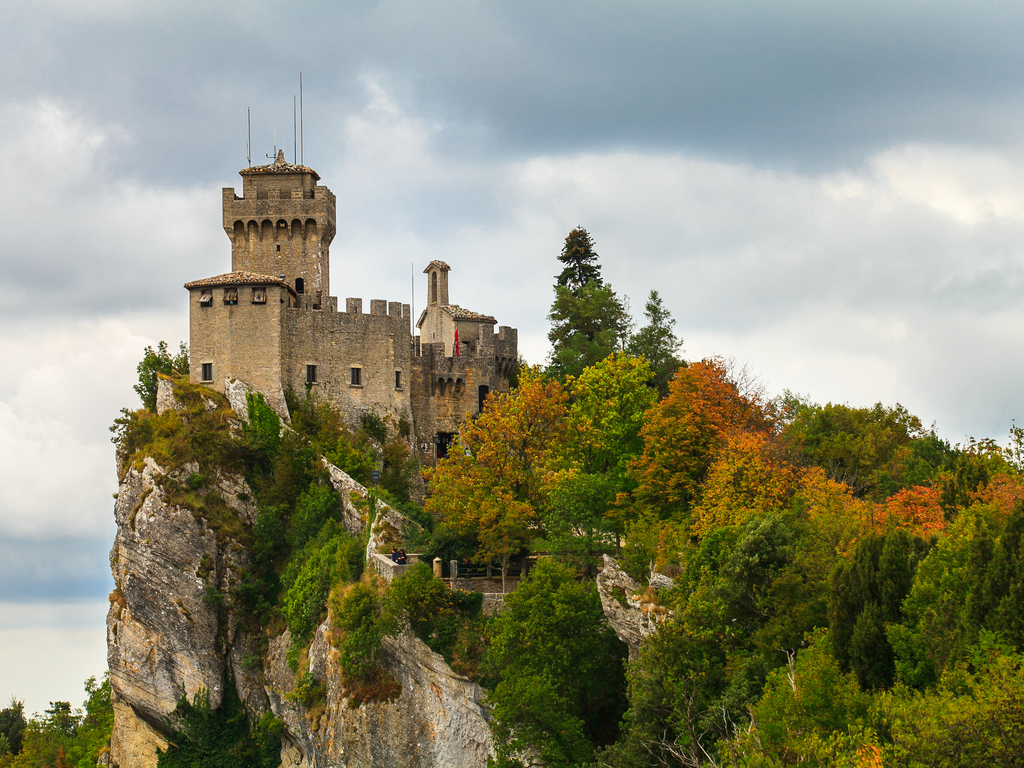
(443, 440)
(206, 299)
(300, 285)
(433, 287)
(357, 376)
(279, 249)
(230, 295)
(207, 371)
(398, 379)
(311, 374)
(482, 393)
(259, 295)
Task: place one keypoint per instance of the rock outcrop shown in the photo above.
(629, 606)
(171, 629)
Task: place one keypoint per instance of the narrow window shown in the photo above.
(207, 371)
(259, 295)
(206, 298)
(398, 379)
(433, 287)
(300, 285)
(230, 295)
(311, 374)
(279, 249)
(357, 377)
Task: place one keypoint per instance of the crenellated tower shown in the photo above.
(283, 225)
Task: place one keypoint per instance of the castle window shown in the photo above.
(278, 248)
(207, 371)
(311, 374)
(398, 379)
(230, 295)
(300, 285)
(206, 298)
(259, 295)
(433, 287)
(357, 376)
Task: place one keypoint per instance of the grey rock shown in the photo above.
(627, 604)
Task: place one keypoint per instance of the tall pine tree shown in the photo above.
(580, 261)
(657, 343)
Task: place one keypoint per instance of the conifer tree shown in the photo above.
(580, 261)
(657, 343)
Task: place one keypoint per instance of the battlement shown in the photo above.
(393, 309)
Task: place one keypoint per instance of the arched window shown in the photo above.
(300, 285)
(433, 287)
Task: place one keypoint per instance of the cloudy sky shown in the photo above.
(831, 192)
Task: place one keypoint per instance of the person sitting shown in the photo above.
(402, 559)
(394, 555)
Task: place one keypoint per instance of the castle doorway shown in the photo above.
(442, 442)
(482, 393)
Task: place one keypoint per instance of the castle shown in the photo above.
(270, 323)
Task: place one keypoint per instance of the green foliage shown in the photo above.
(556, 669)
(435, 613)
(657, 343)
(376, 426)
(331, 557)
(586, 327)
(315, 507)
(867, 594)
(580, 260)
(876, 451)
(362, 625)
(220, 738)
(263, 428)
(157, 361)
(13, 724)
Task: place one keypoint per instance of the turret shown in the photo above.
(282, 225)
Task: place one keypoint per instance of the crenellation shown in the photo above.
(354, 306)
(378, 307)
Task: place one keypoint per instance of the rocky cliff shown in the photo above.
(171, 629)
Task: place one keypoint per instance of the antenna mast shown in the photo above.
(248, 140)
(294, 140)
(302, 148)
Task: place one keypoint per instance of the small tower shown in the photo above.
(437, 283)
(283, 225)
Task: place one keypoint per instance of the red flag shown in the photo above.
(456, 341)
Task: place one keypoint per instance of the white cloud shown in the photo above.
(49, 651)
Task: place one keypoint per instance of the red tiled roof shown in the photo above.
(236, 278)
(456, 312)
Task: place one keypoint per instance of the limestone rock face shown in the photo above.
(628, 606)
(169, 632)
(437, 720)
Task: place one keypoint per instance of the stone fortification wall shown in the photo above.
(242, 341)
(377, 344)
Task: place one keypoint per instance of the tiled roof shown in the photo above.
(279, 166)
(456, 312)
(236, 278)
(439, 265)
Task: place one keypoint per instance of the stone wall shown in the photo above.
(377, 343)
(242, 341)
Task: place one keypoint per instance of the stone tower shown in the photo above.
(283, 225)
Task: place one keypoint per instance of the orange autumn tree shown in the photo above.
(748, 477)
(683, 431)
(915, 509)
(491, 485)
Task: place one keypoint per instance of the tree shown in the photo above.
(491, 485)
(586, 327)
(682, 433)
(580, 261)
(558, 669)
(13, 724)
(154, 362)
(657, 343)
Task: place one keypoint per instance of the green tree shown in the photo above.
(580, 260)
(13, 724)
(220, 738)
(557, 668)
(586, 327)
(157, 361)
(657, 343)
